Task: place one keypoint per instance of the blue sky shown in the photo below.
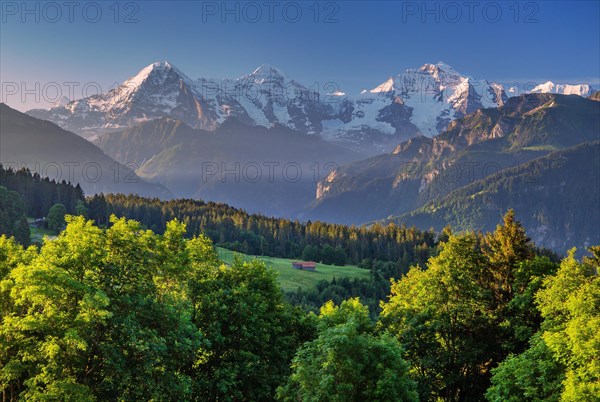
(355, 44)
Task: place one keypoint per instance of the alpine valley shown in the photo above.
(426, 147)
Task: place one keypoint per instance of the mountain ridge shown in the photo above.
(422, 169)
(536, 190)
(372, 122)
(44, 147)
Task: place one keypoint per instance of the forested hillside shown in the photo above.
(112, 310)
(489, 150)
(126, 314)
(261, 235)
(24, 194)
(13, 218)
(40, 193)
(541, 192)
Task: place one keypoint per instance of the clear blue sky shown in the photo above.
(363, 43)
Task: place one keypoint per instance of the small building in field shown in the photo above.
(305, 265)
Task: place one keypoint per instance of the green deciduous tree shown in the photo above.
(348, 361)
(533, 375)
(442, 317)
(562, 361)
(310, 253)
(81, 209)
(468, 310)
(22, 232)
(56, 217)
(249, 333)
(98, 315)
(339, 256)
(570, 305)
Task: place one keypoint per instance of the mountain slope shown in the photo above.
(51, 151)
(558, 205)
(482, 143)
(269, 170)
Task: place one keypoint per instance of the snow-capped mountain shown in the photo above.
(158, 90)
(419, 101)
(584, 90)
(265, 97)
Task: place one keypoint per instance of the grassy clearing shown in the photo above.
(37, 234)
(290, 278)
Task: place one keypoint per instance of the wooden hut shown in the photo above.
(304, 265)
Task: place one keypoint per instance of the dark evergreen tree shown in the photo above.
(22, 232)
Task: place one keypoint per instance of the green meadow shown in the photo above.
(290, 278)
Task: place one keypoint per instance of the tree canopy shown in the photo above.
(349, 361)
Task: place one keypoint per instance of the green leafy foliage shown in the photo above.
(125, 314)
(56, 217)
(442, 316)
(570, 305)
(349, 361)
(533, 375)
(562, 361)
(468, 310)
(120, 312)
(249, 333)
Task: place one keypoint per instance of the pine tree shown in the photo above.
(22, 232)
(504, 249)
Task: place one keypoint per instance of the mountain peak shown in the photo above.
(63, 101)
(446, 67)
(268, 71)
(440, 66)
(159, 66)
(163, 64)
(387, 86)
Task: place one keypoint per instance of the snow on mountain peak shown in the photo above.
(446, 67)
(436, 69)
(160, 67)
(62, 102)
(266, 71)
(565, 89)
(162, 64)
(421, 100)
(387, 86)
(547, 86)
